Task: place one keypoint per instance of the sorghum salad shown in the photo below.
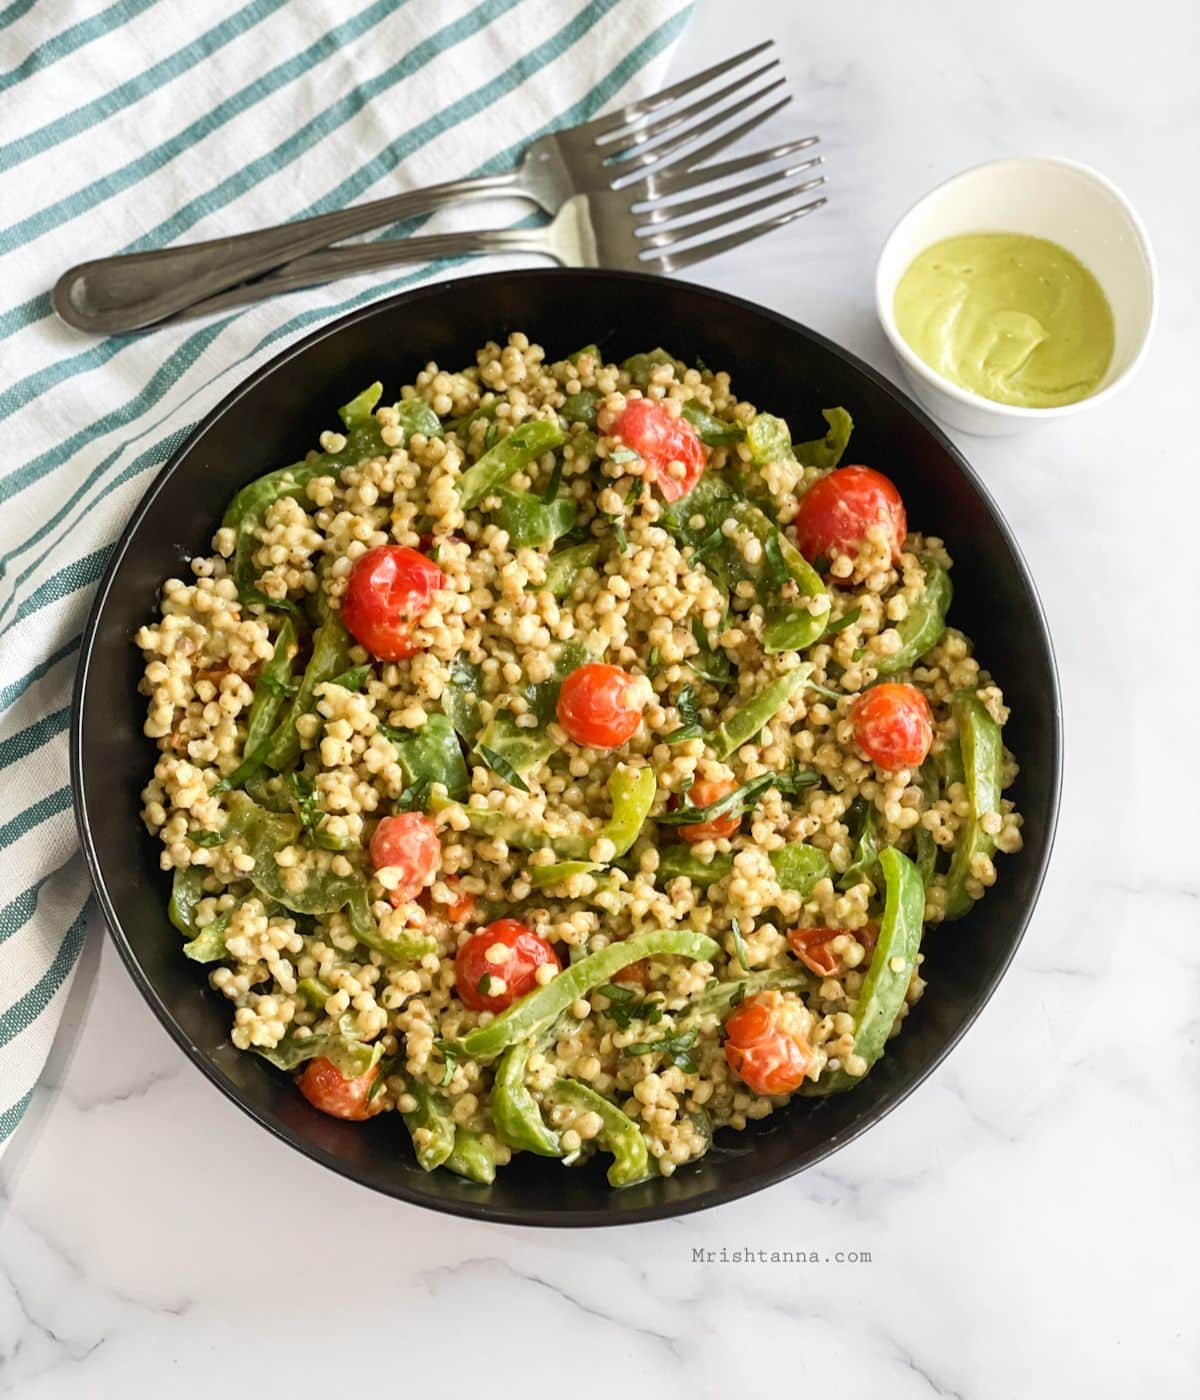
(568, 760)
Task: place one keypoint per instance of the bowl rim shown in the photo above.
(885, 293)
(481, 1211)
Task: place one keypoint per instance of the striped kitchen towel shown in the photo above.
(130, 124)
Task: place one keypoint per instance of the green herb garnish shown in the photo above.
(501, 767)
(739, 943)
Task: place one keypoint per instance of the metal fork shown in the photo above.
(135, 290)
(643, 227)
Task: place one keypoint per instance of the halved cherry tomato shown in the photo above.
(811, 946)
(836, 512)
(507, 977)
(409, 843)
(599, 705)
(324, 1086)
(893, 725)
(388, 593)
(760, 1048)
(659, 439)
(635, 974)
(703, 793)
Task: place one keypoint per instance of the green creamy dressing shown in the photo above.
(1014, 318)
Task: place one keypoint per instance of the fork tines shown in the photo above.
(669, 227)
(629, 142)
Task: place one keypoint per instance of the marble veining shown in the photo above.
(1029, 1212)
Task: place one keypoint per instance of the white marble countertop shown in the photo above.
(1030, 1213)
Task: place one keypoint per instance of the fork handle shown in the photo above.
(134, 290)
(333, 263)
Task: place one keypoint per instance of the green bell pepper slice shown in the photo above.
(563, 569)
(712, 431)
(530, 1015)
(515, 1113)
(745, 722)
(509, 456)
(983, 762)
(620, 1135)
(432, 1113)
(330, 657)
(471, 1157)
(826, 451)
(716, 1001)
(892, 965)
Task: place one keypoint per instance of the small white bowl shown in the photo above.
(1071, 205)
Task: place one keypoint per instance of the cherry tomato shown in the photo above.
(634, 974)
(596, 707)
(388, 593)
(836, 512)
(324, 1086)
(408, 843)
(811, 946)
(893, 725)
(508, 978)
(761, 1050)
(703, 793)
(647, 426)
(464, 902)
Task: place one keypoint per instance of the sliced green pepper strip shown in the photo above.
(581, 407)
(415, 416)
(677, 861)
(509, 456)
(433, 1115)
(209, 943)
(315, 992)
(472, 1157)
(530, 521)
(359, 410)
(866, 852)
(564, 568)
(577, 355)
(411, 948)
(744, 723)
(640, 367)
(352, 1058)
(619, 1135)
(717, 1000)
(769, 440)
(630, 789)
(826, 451)
(542, 875)
(713, 432)
(518, 1119)
(330, 657)
(922, 629)
(983, 762)
(531, 1014)
(892, 965)
(270, 696)
(187, 890)
(788, 626)
(799, 866)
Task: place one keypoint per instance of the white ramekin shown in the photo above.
(1068, 203)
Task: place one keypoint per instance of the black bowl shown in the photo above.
(274, 417)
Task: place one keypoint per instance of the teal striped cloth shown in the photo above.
(138, 123)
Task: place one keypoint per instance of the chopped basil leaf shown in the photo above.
(846, 620)
(680, 1050)
(501, 767)
(739, 943)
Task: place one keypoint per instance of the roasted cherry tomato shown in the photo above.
(647, 426)
(836, 512)
(635, 974)
(388, 593)
(760, 1048)
(600, 705)
(703, 793)
(811, 946)
(507, 977)
(893, 725)
(324, 1086)
(407, 843)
